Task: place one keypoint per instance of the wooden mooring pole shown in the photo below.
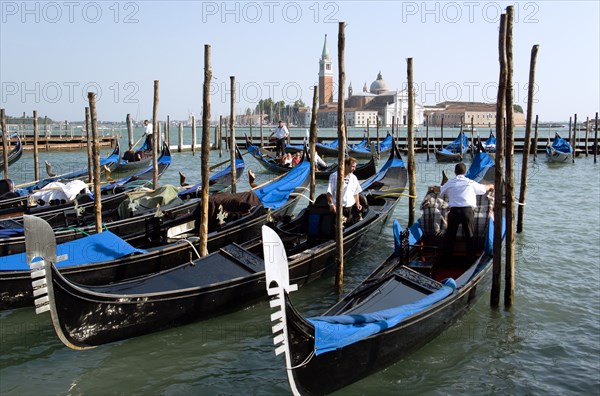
(587, 132)
(499, 167)
(180, 141)
(205, 172)
(46, 132)
(90, 153)
(36, 161)
(410, 138)
(312, 139)
(5, 137)
(261, 127)
(193, 135)
(232, 134)
(168, 131)
(535, 139)
(596, 139)
(220, 136)
(95, 162)
(574, 141)
(509, 275)
(427, 136)
(130, 140)
(527, 140)
(442, 133)
(339, 230)
(155, 137)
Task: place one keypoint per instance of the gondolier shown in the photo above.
(462, 192)
(149, 132)
(281, 133)
(350, 192)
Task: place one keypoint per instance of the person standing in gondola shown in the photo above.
(149, 131)
(280, 133)
(350, 192)
(462, 192)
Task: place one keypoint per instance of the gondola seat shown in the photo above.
(320, 222)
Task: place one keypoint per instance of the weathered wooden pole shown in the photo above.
(427, 136)
(587, 132)
(168, 131)
(499, 167)
(442, 133)
(5, 137)
(95, 162)
(570, 125)
(220, 136)
(155, 137)
(251, 140)
(90, 152)
(574, 141)
(368, 132)
(36, 133)
(227, 141)
(410, 138)
(130, 140)
(339, 230)
(509, 275)
(193, 135)
(527, 140)
(205, 171)
(535, 139)
(232, 134)
(261, 127)
(46, 132)
(461, 134)
(180, 141)
(378, 124)
(596, 139)
(393, 126)
(312, 140)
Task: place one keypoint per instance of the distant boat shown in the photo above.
(14, 154)
(559, 151)
(453, 152)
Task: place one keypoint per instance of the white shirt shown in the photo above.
(281, 133)
(149, 129)
(351, 188)
(461, 192)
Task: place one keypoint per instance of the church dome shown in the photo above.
(378, 86)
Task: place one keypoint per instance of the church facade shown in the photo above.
(377, 104)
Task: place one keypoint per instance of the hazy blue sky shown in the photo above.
(52, 53)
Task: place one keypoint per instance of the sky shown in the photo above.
(53, 53)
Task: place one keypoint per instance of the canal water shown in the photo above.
(547, 343)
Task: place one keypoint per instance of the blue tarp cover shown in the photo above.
(454, 147)
(560, 144)
(394, 163)
(333, 145)
(334, 332)
(481, 163)
(92, 249)
(274, 195)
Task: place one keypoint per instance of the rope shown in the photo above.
(193, 248)
(305, 362)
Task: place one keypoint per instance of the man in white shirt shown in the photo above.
(462, 193)
(350, 193)
(149, 132)
(281, 133)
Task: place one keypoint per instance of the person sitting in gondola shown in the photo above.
(130, 156)
(350, 192)
(296, 158)
(319, 162)
(286, 159)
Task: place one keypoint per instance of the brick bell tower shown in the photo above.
(325, 77)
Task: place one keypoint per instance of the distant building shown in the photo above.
(482, 114)
(378, 104)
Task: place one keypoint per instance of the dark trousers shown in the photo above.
(149, 142)
(456, 217)
(280, 146)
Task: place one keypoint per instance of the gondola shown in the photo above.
(328, 149)
(128, 166)
(559, 151)
(489, 145)
(228, 279)
(26, 204)
(363, 150)
(18, 196)
(363, 171)
(14, 154)
(452, 152)
(413, 296)
(170, 236)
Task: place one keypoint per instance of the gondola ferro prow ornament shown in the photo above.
(277, 284)
(40, 243)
